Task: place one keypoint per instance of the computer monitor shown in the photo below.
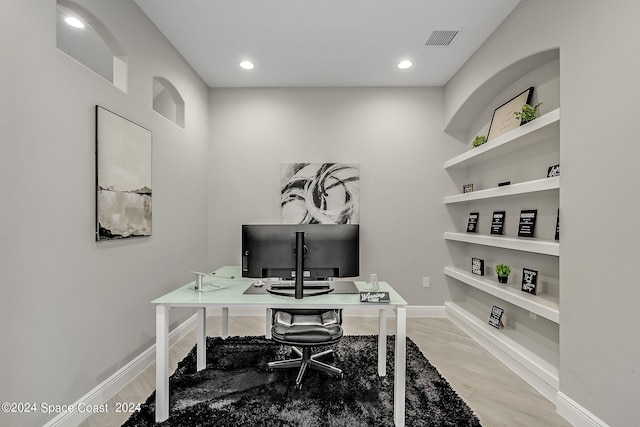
(330, 250)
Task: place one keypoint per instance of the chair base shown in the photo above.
(306, 360)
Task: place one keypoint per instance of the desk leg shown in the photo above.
(267, 332)
(225, 323)
(400, 366)
(201, 338)
(382, 342)
(162, 362)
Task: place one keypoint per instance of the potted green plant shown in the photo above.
(479, 140)
(503, 271)
(527, 113)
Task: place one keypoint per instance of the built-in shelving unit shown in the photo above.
(529, 343)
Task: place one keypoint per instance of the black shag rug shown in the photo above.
(236, 389)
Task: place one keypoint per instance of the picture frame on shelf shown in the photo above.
(529, 281)
(467, 188)
(553, 171)
(527, 226)
(504, 120)
(472, 223)
(557, 236)
(497, 318)
(497, 223)
(477, 266)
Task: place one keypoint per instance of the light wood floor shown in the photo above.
(498, 396)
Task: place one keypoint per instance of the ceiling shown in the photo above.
(325, 43)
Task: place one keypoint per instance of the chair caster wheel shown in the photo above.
(340, 375)
(298, 387)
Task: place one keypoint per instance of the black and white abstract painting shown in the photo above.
(320, 193)
(123, 177)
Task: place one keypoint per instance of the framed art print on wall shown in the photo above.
(320, 193)
(123, 177)
(504, 119)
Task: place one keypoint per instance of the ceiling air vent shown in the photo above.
(441, 38)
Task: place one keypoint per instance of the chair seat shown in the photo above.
(306, 329)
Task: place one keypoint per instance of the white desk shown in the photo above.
(233, 296)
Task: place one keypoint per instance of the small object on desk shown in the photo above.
(258, 283)
(502, 184)
(374, 297)
(373, 281)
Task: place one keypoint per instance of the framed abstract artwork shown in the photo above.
(320, 193)
(123, 177)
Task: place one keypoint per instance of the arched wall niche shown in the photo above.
(467, 114)
(93, 46)
(167, 101)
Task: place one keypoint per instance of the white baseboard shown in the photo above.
(576, 414)
(112, 385)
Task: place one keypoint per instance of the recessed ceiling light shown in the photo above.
(247, 65)
(74, 22)
(405, 64)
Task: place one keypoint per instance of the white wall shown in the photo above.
(73, 311)
(394, 134)
(599, 152)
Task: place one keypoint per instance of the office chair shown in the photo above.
(306, 329)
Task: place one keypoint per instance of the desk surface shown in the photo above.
(232, 295)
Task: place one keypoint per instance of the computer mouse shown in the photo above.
(258, 283)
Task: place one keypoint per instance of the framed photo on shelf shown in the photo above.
(557, 237)
(477, 266)
(467, 188)
(504, 119)
(553, 171)
(529, 281)
(472, 224)
(527, 226)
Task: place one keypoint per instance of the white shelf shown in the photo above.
(537, 364)
(545, 306)
(528, 187)
(538, 130)
(537, 246)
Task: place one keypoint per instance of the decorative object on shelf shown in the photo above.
(504, 118)
(497, 222)
(553, 171)
(497, 318)
(529, 281)
(503, 183)
(479, 140)
(472, 225)
(467, 188)
(527, 113)
(477, 266)
(503, 271)
(322, 193)
(527, 227)
(123, 181)
(558, 225)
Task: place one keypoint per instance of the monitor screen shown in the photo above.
(268, 250)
